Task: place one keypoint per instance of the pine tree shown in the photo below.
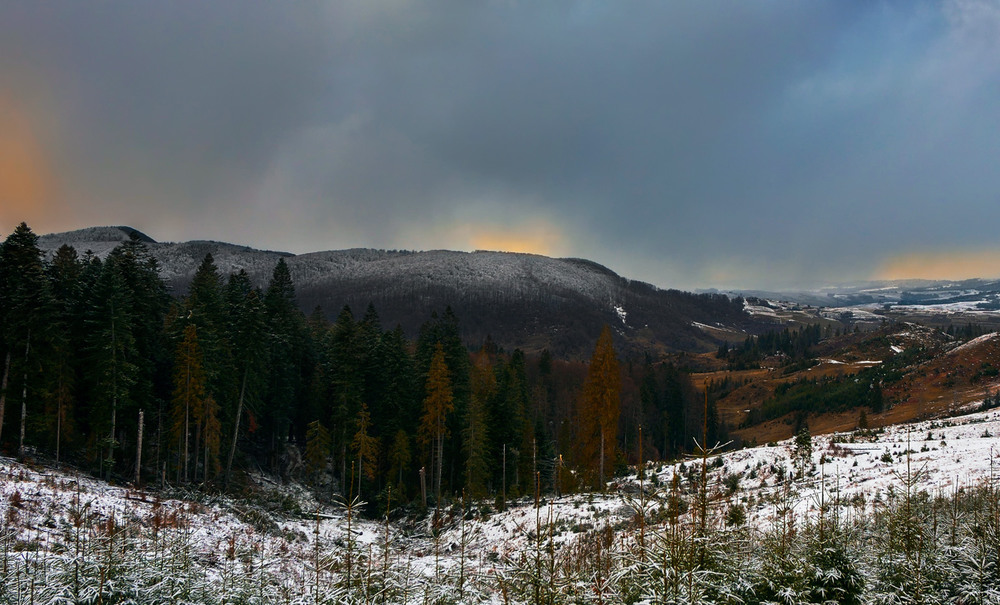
(599, 410)
(437, 405)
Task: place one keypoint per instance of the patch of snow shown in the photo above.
(620, 311)
(701, 326)
(975, 342)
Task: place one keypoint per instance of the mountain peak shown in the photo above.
(119, 233)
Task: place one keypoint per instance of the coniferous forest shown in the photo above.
(106, 370)
(206, 392)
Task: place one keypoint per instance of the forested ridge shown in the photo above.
(102, 367)
(524, 301)
(228, 383)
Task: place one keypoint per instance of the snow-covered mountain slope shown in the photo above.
(520, 300)
(59, 520)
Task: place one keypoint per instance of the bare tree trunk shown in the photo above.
(423, 486)
(440, 465)
(138, 449)
(59, 417)
(24, 395)
(114, 391)
(197, 446)
(236, 428)
(187, 433)
(187, 414)
(3, 390)
(602, 459)
(204, 466)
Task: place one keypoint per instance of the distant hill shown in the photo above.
(520, 300)
(967, 295)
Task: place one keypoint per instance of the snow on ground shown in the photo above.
(856, 470)
(701, 326)
(622, 314)
(856, 313)
(968, 306)
(853, 469)
(975, 342)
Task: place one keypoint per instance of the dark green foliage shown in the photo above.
(286, 341)
(820, 396)
(27, 314)
(794, 345)
(91, 343)
(672, 412)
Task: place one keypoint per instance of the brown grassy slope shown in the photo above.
(952, 377)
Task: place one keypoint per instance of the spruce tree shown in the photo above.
(27, 312)
(151, 357)
(65, 274)
(246, 334)
(475, 443)
(285, 336)
(113, 353)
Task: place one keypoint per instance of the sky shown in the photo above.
(742, 144)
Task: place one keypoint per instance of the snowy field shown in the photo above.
(48, 513)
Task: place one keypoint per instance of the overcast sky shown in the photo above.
(748, 143)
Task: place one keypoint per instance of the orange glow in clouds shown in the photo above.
(26, 183)
(539, 238)
(942, 265)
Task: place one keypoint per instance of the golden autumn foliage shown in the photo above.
(600, 406)
(437, 405)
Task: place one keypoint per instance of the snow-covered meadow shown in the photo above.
(135, 545)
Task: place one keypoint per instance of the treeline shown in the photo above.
(793, 344)
(819, 396)
(837, 393)
(103, 368)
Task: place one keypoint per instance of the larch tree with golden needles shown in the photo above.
(212, 437)
(189, 393)
(318, 443)
(600, 407)
(364, 446)
(439, 403)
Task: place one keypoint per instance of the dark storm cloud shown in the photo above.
(690, 144)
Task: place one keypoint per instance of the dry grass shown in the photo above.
(954, 378)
